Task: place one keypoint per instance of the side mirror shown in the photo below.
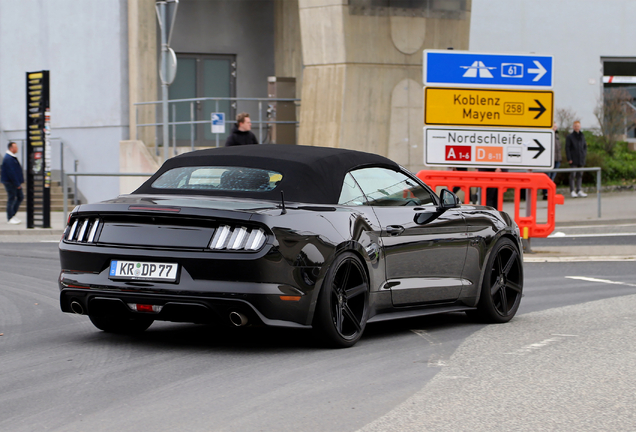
(449, 200)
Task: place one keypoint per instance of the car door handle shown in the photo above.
(394, 230)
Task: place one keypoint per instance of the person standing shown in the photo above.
(557, 157)
(241, 132)
(12, 179)
(576, 151)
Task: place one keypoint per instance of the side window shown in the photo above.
(384, 187)
(351, 194)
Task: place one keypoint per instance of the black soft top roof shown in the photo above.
(310, 174)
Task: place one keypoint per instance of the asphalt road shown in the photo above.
(565, 363)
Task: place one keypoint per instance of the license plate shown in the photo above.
(143, 270)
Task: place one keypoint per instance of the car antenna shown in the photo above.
(282, 199)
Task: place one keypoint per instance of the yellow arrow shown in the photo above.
(483, 107)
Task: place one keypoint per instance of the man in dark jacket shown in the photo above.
(12, 179)
(242, 132)
(575, 151)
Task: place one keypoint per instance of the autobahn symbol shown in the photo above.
(488, 107)
(477, 68)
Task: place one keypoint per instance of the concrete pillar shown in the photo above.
(362, 77)
(287, 47)
(142, 67)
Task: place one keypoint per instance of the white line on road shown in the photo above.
(426, 335)
(563, 235)
(607, 281)
(594, 226)
(537, 346)
(555, 259)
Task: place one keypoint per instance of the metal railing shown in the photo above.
(98, 174)
(590, 169)
(259, 121)
(65, 177)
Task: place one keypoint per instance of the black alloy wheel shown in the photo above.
(342, 309)
(120, 325)
(502, 286)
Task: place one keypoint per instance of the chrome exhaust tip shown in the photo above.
(238, 319)
(77, 308)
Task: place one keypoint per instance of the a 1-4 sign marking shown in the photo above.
(485, 107)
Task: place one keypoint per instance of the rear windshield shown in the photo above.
(219, 178)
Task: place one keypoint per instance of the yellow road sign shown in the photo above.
(482, 107)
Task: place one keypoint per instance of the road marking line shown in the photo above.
(607, 281)
(563, 235)
(553, 259)
(426, 335)
(593, 226)
(436, 362)
(535, 346)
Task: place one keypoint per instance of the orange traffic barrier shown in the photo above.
(502, 181)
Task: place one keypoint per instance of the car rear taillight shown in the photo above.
(237, 238)
(83, 230)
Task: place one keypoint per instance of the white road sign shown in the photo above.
(218, 123)
(489, 148)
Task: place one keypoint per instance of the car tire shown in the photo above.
(120, 325)
(343, 302)
(502, 286)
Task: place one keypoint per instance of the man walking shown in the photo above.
(12, 179)
(242, 132)
(575, 151)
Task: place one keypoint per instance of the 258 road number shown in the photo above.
(513, 108)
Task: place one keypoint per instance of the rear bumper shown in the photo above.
(197, 301)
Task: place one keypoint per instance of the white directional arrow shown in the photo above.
(540, 71)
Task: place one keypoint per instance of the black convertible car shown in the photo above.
(291, 236)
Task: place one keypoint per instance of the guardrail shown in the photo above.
(258, 120)
(590, 169)
(463, 179)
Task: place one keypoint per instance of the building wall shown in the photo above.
(244, 28)
(84, 46)
(577, 32)
(362, 77)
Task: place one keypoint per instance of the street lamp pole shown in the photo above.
(166, 13)
(164, 84)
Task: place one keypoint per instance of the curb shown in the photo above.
(32, 232)
(593, 222)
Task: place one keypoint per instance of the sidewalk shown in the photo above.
(57, 225)
(616, 208)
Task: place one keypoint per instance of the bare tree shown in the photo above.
(564, 119)
(614, 115)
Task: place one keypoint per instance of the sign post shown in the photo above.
(38, 152)
(488, 110)
(488, 107)
(483, 147)
(166, 14)
(218, 123)
(464, 68)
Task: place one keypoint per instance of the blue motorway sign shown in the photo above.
(454, 68)
(218, 122)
